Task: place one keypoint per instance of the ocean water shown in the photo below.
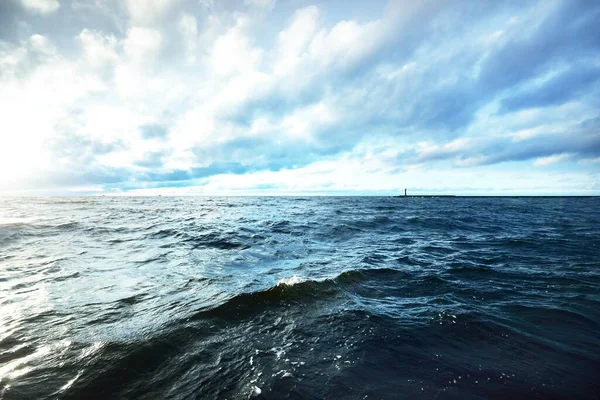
(299, 298)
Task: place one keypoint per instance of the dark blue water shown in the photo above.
(299, 298)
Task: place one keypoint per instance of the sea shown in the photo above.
(299, 298)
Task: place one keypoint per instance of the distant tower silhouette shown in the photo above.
(404, 192)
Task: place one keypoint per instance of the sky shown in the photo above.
(299, 97)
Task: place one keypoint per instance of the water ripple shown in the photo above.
(302, 298)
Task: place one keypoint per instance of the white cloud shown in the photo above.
(349, 101)
(188, 28)
(41, 6)
(145, 12)
(431, 150)
(33, 105)
(528, 133)
(293, 41)
(41, 44)
(206, 3)
(590, 161)
(545, 161)
(233, 51)
(142, 45)
(305, 122)
(135, 76)
(351, 174)
(268, 4)
(346, 43)
(98, 49)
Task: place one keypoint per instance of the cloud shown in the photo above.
(189, 30)
(144, 12)
(247, 95)
(545, 161)
(151, 160)
(580, 140)
(565, 86)
(233, 52)
(142, 45)
(98, 50)
(561, 29)
(151, 131)
(41, 6)
(261, 3)
(590, 161)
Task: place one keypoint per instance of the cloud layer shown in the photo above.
(251, 97)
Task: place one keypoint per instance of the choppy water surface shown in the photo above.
(299, 298)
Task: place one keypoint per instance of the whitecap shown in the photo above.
(256, 391)
(291, 281)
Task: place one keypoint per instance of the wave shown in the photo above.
(74, 202)
(379, 221)
(550, 316)
(283, 226)
(15, 221)
(291, 281)
(212, 240)
(468, 269)
(397, 289)
(302, 290)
